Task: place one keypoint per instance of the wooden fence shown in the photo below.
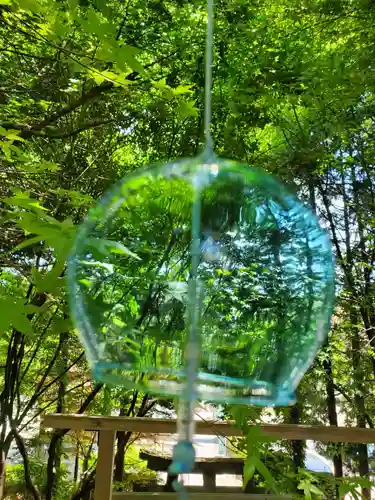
(108, 426)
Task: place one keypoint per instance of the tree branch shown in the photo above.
(57, 435)
(25, 54)
(85, 126)
(88, 96)
(42, 410)
(38, 344)
(39, 391)
(22, 449)
(132, 405)
(86, 487)
(123, 21)
(346, 396)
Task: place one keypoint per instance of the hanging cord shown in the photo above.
(183, 453)
(208, 78)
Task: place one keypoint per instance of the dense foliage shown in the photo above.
(93, 90)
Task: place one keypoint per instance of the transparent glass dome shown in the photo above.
(265, 274)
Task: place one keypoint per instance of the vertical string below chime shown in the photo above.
(183, 453)
(208, 78)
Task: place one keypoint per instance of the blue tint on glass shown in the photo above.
(265, 275)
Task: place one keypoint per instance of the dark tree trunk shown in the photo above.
(2, 474)
(331, 410)
(123, 438)
(297, 446)
(86, 458)
(120, 453)
(76, 466)
(363, 464)
(63, 362)
(57, 435)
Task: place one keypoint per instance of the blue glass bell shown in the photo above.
(265, 279)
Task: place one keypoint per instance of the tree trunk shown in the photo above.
(64, 338)
(123, 438)
(331, 410)
(120, 453)
(363, 465)
(2, 474)
(297, 446)
(57, 435)
(76, 465)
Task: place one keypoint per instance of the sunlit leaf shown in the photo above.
(248, 470)
(27, 243)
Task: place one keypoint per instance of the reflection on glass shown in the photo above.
(265, 270)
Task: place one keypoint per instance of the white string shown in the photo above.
(188, 402)
(208, 77)
(183, 452)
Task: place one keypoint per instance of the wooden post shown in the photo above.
(104, 468)
(169, 484)
(209, 481)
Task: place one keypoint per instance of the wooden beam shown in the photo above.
(160, 426)
(227, 465)
(104, 468)
(198, 496)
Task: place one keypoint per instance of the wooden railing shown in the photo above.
(108, 426)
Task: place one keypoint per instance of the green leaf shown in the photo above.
(314, 489)
(305, 486)
(363, 482)
(73, 4)
(265, 472)
(126, 55)
(21, 323)
(309, 489)
(32, 309)
(13, 313)
(108, 247)
(248, 470)
(5, 146)
(27, 243)
(31, 223)
(240, 417)
(132, 342)
(22, 199)
(62, 325)
(5, 322)
(41, 166)
(186, 109)
(166, 90)
(50, 282)
(86, 282)
(343, 490)
(30, 5)
(117, 79)
(77, 199)
(255, 437)
(182, 89)
(97, 25)
(11, 134)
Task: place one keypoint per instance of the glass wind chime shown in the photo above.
(204, 279)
